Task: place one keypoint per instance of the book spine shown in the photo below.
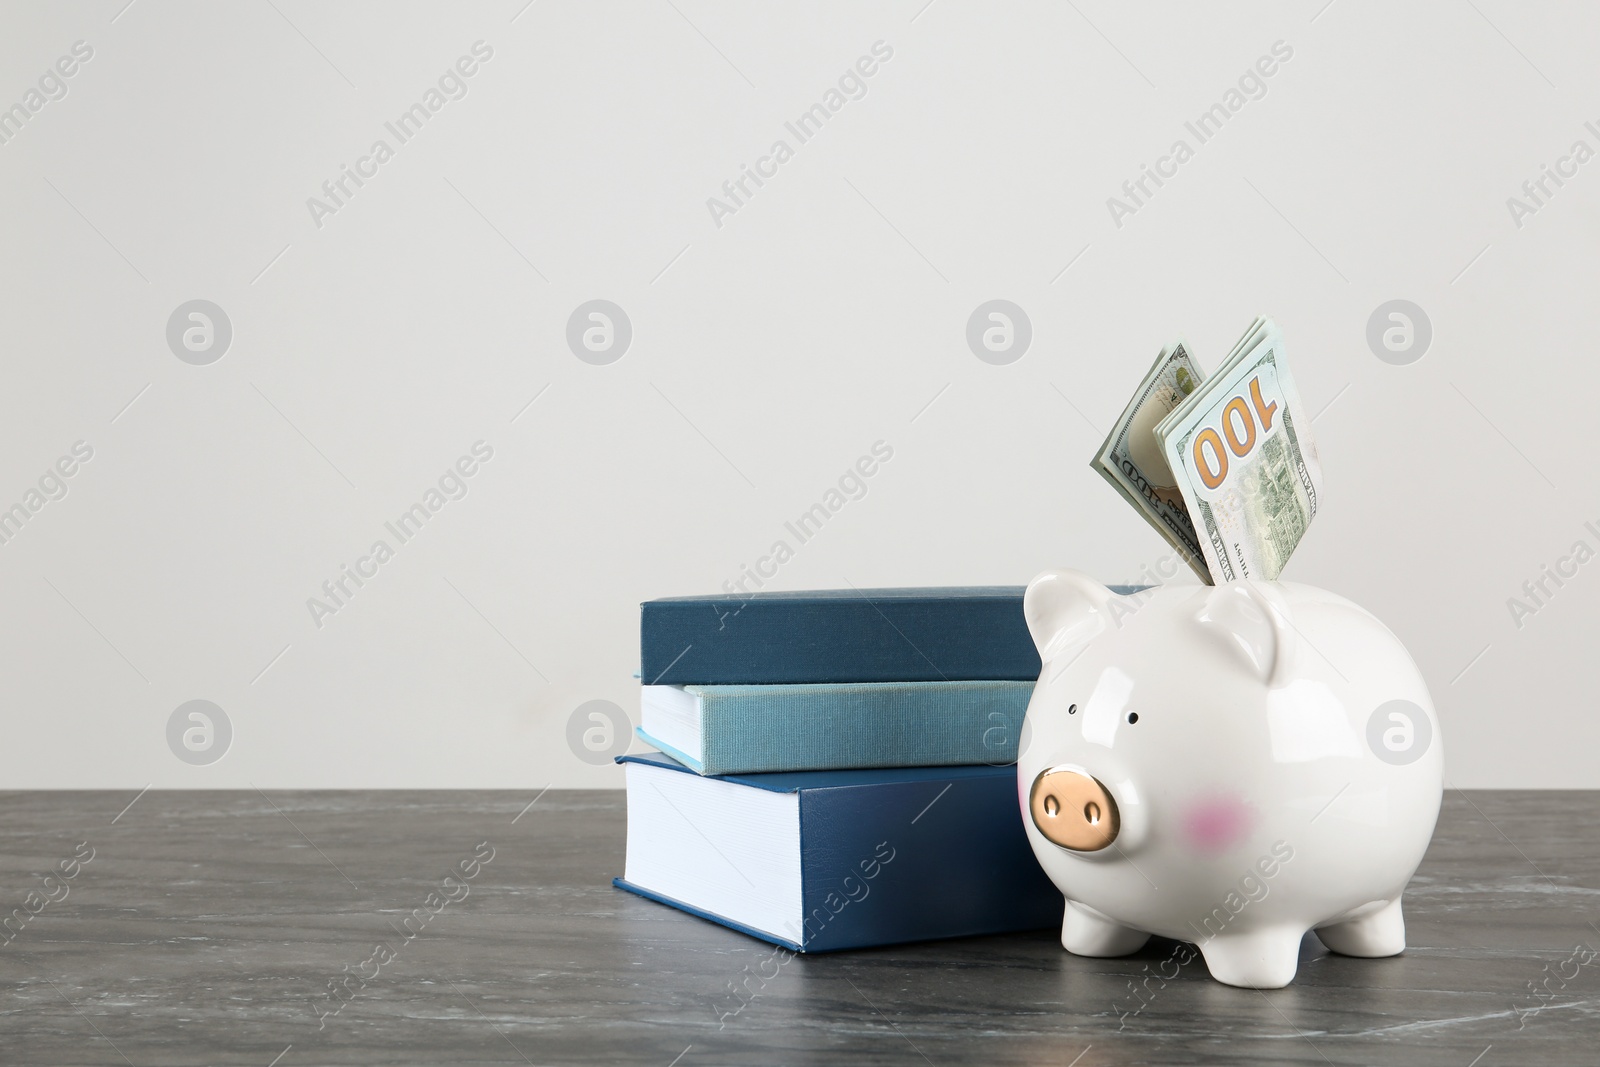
(916, 861)
(828, 727)
(835, 640)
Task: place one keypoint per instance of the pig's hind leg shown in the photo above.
(1382, 933)
(1087, 932)
(1263, 958)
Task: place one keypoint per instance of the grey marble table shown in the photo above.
(244, 928)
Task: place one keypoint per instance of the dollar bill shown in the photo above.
(1132, 459)
(1239, 448)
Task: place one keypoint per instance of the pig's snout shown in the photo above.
(1073, 810)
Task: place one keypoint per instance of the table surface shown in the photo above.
(211, 928)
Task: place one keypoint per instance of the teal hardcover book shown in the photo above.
(750, 729)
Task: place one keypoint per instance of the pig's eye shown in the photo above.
(1072, 709)
(1133, 717)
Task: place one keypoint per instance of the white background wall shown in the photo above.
(371, 351)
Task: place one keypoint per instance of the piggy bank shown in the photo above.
(1229, 765)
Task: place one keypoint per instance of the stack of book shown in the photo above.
(836, 768)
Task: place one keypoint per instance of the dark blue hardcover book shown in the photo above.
(939, 634)
(819, 861)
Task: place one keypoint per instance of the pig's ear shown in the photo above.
(1253, 626)
(1065, 610)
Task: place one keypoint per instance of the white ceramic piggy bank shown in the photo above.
(1231, 766)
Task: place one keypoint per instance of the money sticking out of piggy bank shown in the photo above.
(1229, 765)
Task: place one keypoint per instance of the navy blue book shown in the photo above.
(837, 635)
(956, 633)
(818, 861)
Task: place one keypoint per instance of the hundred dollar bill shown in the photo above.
(1241, 452)
(1132, 460)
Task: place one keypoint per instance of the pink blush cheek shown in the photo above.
(1215, 824)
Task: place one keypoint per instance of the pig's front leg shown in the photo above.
(1383, 933)
(1086, 932)
(1255, 959)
